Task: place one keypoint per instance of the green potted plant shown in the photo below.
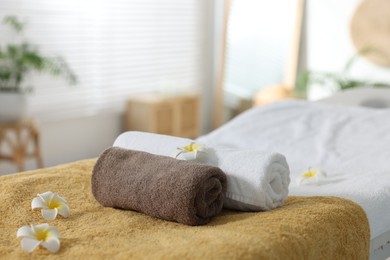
(17, 60)
(335, 81)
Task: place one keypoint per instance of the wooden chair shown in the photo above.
(15, 141)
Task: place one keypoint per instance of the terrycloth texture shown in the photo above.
(256, 180)
(163, 187)
(304, 228)
(351, 144)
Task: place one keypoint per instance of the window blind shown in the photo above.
(117, 49)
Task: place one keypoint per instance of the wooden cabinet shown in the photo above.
(169, 115)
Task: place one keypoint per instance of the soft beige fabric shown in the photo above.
(305, 228)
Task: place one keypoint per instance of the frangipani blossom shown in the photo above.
(50, 204)
(39, 235)
(311, 176)
(190, 152)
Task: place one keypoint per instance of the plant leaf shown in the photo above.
(14, 23)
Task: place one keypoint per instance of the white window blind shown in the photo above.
(117, 49)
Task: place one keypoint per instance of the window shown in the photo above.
(258, 39)
(117, 48)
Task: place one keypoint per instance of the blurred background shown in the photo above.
(88, 70)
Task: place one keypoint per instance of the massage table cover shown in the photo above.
(304, 228)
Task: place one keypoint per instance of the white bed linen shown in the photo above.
(352, 144)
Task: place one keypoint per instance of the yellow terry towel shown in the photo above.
(304, 228)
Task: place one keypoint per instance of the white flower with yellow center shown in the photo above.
(39, 235)
(191, 151)
(311, 176)
(50, 204)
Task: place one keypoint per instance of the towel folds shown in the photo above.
(186, 192)
(257, 180)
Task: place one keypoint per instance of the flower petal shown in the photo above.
(46, 196)
(199, 147)
(59, 198)
(37, 203)
(49, 214)
(53, 233)
(29, 244)
(24, 231)
(53, 245)
(64, 210)
(37, 227)
(300, 179)
(311, 177)
(189, 155)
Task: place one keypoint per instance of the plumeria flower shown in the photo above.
(311, 176)
(39, 235)
(50, 204)
(191, 151)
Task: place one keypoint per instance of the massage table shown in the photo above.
(348, 217)
(346, 135)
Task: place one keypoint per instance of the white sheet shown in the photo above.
(352, 144)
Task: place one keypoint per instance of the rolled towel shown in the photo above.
(257, 180)
(186, 192)
(152, 143)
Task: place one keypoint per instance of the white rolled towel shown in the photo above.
(257, 180)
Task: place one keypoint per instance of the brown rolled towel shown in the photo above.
(163, 187)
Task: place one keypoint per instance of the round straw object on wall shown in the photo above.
(370, 30)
